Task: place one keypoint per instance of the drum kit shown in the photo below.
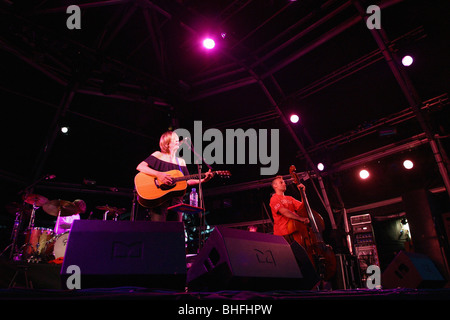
(44, 244)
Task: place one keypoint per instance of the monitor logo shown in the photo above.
(265, 257)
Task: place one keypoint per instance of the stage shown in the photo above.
(217, 304)
(137, 293)
(42, 281)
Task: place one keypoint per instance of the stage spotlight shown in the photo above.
(364, 174)
(408, 164)
(65, 130)
(294, 118)
(209, 43)
(407, 61)
(320, 166)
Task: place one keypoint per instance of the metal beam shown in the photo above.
(346, 164)
(409, 92)
(293, 57)
(102, 45)
(82, 6)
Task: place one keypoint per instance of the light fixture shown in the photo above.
(65, 130)
(294, 118)
(209, 43)
(364, 174)
(407, 61)
(408, 164)
(320, 166)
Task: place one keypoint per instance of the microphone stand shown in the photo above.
(199, 160)
(133, 206)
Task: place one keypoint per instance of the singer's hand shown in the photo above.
(301, 187)
(208, 176)
(164, 178)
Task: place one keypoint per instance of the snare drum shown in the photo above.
(36, 240)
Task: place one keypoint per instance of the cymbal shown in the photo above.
(111, 209)
(64, 225)
(67, 208)
(35, 199)
(14, 207)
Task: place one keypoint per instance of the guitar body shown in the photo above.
(151, 193)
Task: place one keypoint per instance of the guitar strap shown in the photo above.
(179, 166)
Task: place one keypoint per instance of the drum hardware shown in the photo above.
(57, 246)
(38, 246)
(35, 247)
(60, 208)
(41, 244)
(111, 211)
(19, 210)
(37, 201)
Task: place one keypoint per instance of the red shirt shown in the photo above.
(280, 221)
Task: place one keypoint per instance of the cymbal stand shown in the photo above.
(57, 221)
(14, 235)
(32, 216)
(30, 225)
(105, 215)
(28, 190)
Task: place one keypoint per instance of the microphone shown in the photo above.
(185, 141)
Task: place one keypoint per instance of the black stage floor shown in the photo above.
(41, 281)
(42, 293)
(137, 293)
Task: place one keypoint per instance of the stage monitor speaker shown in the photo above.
(423, 212)
(125, 253)
(242, 260)
(411, 270)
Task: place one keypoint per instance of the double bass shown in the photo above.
(309, 236)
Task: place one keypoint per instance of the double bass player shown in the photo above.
(296, 221)
(284, 208)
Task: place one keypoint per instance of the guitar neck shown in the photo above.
(189, 177)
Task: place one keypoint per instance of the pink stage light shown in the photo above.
(294, 118)
(209, 43)
(364, 174)
(408, 164)
(407, 61)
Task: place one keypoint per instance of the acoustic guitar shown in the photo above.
(151, 192)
